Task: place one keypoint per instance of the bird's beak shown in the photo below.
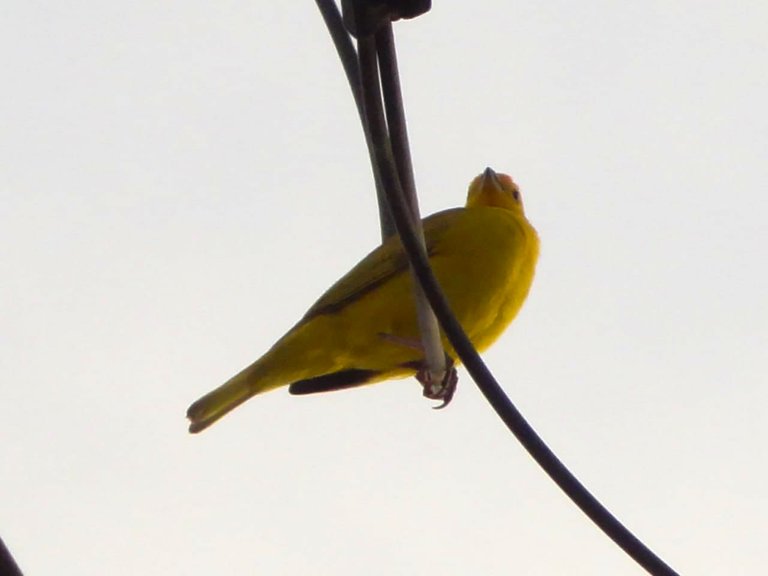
(490, 181)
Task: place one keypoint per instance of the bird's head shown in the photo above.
(494, 189)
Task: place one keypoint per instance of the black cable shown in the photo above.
(482, 376)
(8, 565)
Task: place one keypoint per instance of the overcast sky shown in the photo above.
(180, 180)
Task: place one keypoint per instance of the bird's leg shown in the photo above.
(445, 388)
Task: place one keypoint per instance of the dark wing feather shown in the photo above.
(334, 381)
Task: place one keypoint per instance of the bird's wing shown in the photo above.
(384, 263)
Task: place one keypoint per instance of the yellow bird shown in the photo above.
(483, 255)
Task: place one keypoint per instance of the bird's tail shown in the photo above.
(228, 396)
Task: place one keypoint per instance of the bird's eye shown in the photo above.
(516, 195)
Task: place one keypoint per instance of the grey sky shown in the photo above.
(180, 181)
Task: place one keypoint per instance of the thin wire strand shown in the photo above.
(395, 111)
(383, 51)
(348, 56)
(434, 355)
(488, 385)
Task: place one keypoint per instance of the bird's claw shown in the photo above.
(444, 389)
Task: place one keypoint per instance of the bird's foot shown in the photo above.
(439, 389)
